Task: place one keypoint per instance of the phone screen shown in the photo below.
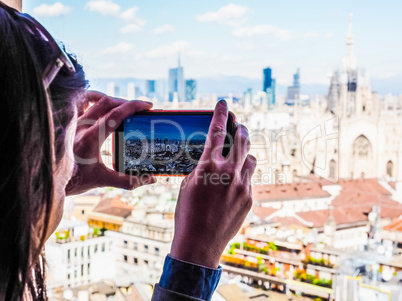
(164, 144)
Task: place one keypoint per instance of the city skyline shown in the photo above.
(242, 43)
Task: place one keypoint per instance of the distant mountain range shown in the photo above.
(223, 85)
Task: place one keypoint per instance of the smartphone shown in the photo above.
(165, 142)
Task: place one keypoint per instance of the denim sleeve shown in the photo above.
(186, 281)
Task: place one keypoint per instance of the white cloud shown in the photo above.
(122, 47)
(130, 28)
(281, 34)
(109, 8)
(55, 10)
(245, 46)
(104, 7)
(130, 14)
(329, 35)
(230, 14)
(167, 28)
(167, 50)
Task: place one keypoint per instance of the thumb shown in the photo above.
(116, 179)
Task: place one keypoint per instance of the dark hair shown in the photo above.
(33, 124)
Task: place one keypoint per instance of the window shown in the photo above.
(125, 243)
(68, 276)
(146, 262)
(68, 254)
(89, 268)
(96, 248)
(332, 169)
(75, 252)
(125, 258)
(156, 251)
(146, 248)
(83, 211)
(82, 270)
(294, 174)
(75, 273)
(135, 260)
(89, 251)
(135, 246)
(82, 252)
(103, 247)
(390, 166)
(362, 147)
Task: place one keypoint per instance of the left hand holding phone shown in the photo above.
(93, 127)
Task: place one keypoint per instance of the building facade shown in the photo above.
(75, 256)
(142, 245)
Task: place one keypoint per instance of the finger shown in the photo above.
(241, 146)
(217, 132)
(94, 96)
(112, 178)
(247, 171)
(102, 106)
(111, 121)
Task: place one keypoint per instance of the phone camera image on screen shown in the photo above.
(164, 144)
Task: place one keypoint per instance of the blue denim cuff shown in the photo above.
(189, 279)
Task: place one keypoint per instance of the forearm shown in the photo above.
(17, 4)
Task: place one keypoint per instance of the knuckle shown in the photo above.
(106, 102)
(115, 114)
(218, 129)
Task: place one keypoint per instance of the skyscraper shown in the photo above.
(294, 91)
(160, 85)
(269, 87)
(150, 88)
(267, 79)
(133, 92)
(112, 89)
(176, 83)
(191, 89)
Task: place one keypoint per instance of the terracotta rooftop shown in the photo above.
(291, 191)
(263, 212)
(361, 198)
(114, 207)
(289, 221)
(353, 208)
(366, 185)
(394, 226)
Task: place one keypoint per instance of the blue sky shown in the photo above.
(171, 127)
(141, 38)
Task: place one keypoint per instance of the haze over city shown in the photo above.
(220, 38)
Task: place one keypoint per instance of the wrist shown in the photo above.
(204, 255)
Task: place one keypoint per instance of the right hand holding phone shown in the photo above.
(215, 198)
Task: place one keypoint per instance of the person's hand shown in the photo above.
(93, 127)
(215, 198)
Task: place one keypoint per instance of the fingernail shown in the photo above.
(223, 102)
(238, 124)
(146, 101)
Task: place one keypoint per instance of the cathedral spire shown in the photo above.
(350, 62)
